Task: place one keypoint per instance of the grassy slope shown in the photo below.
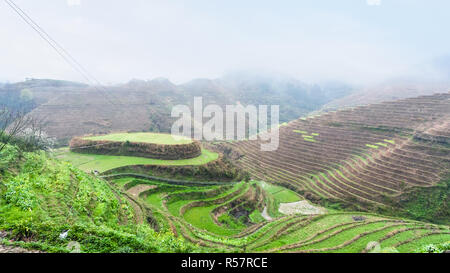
(41, 197)
(201, 216)
(277, 195)
(334, 232)
(144, 138)
(102, 163)
(430, 204)
(280, 194)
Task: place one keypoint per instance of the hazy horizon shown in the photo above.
(354, 41)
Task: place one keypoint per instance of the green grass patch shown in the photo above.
(276, 195)
(174, 207)
(230, 222)
(280, 194)
(372, 146)
(102, 163)
(121, 182)
(420, 243)
(256, 216)
(426, 204)
(381, 144)
(154, 138)
(155, 199)
(201, 218)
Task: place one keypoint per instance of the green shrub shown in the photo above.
(44, 197)
(432, 248)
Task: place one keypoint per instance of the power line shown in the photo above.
(43, 37)
(67, 57)
(55, 42)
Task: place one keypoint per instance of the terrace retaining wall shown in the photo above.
(147, 150)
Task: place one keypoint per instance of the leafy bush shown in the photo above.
(43, 197)
(431, 248)
(7, 156)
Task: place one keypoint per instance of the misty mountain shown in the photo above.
(388, 91)
(295, 98)
(72, 109)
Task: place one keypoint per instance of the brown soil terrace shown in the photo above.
(339, 165)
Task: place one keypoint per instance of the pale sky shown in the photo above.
(356, 41)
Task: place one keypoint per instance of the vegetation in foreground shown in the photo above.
(49, 205)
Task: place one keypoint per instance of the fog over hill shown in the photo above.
(386, 92)
(442, 64)
(71, 109)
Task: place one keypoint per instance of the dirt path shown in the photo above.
(133, 195)
(13, 249)
(138, 189)
(265, 215)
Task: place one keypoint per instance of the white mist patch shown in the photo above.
(374, 2)
(301, 207)
(72, 3)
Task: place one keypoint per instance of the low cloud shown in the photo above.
(120, 40)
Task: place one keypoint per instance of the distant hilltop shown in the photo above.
(73, 109)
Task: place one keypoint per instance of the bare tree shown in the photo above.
(34, 137)
(12, 124)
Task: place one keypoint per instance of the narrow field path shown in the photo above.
(138, 189)
(132, 195)
(265, 215)
(13, 249)
(138, 212)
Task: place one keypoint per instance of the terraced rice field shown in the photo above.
(103, 163)
(363, 156)
(143, 138)
(360, 157)
(209, 216)
(280, 194)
